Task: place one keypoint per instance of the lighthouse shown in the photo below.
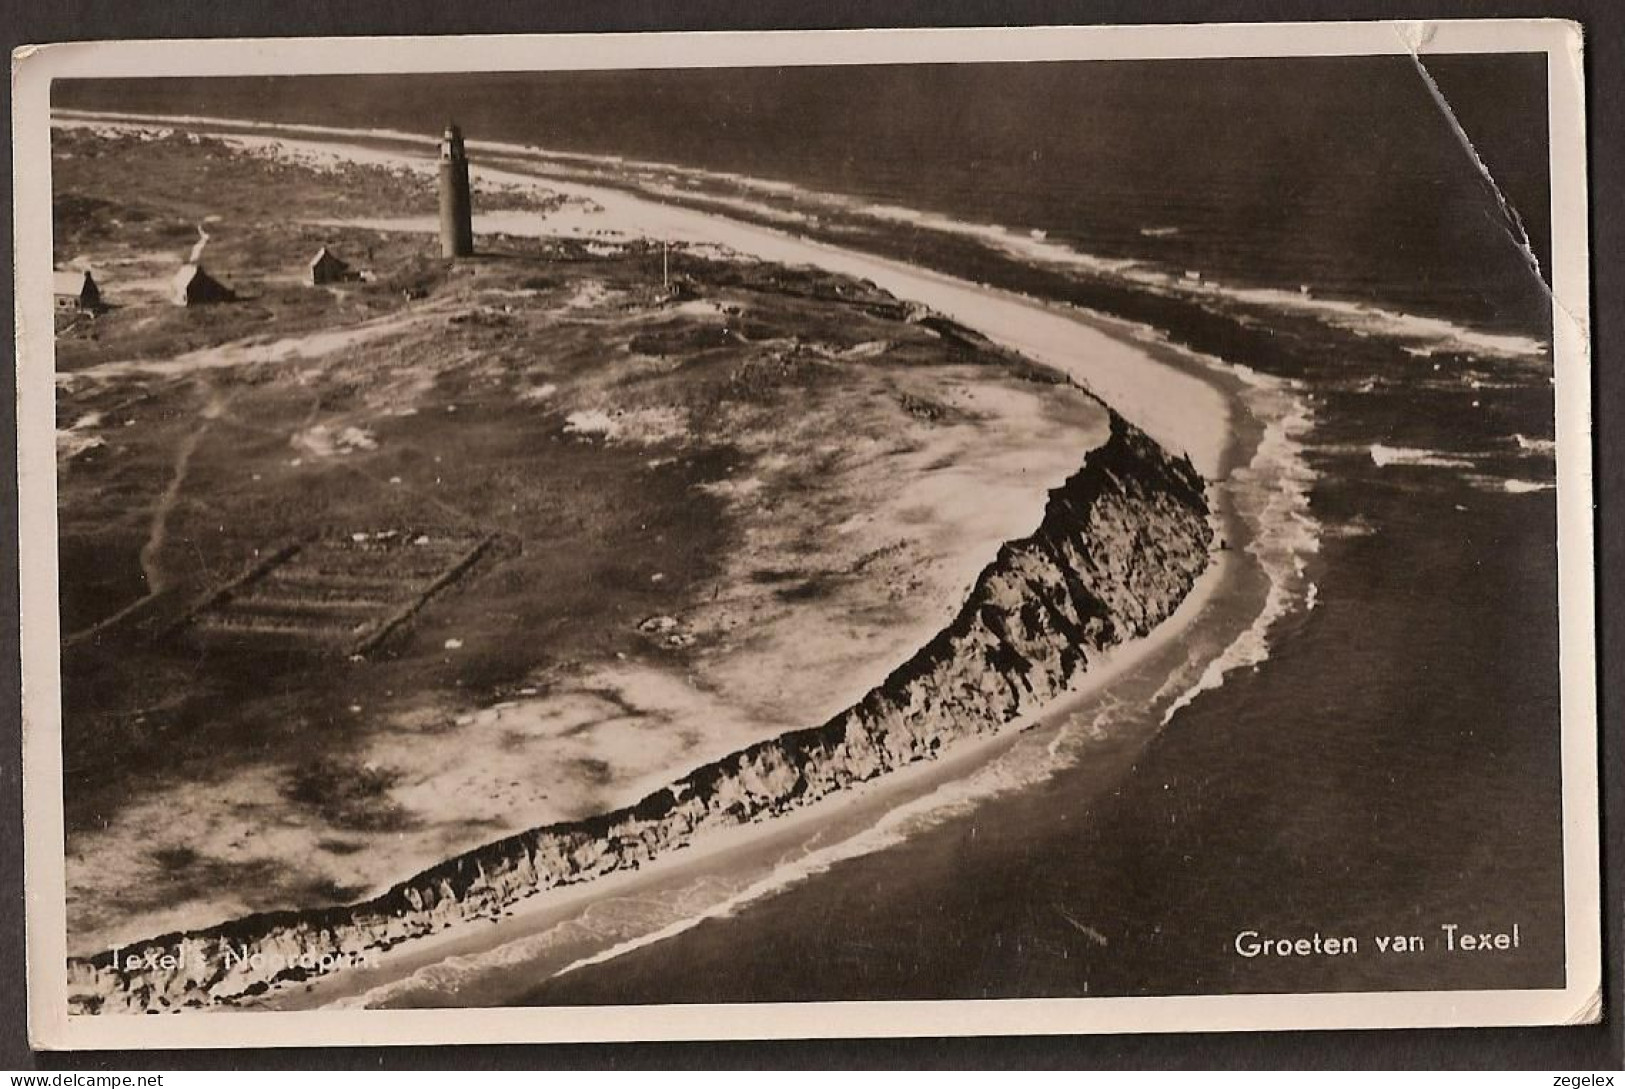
(456, 207)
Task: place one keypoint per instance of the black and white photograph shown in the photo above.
(807, 534)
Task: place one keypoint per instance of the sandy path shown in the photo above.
(158, 529)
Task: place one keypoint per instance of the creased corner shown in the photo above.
(1589, 1012)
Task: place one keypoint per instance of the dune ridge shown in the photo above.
(1121, 543)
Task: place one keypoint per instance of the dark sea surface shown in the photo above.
(1390, 763)
(1335, 172)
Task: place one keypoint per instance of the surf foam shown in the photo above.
(1270, 493)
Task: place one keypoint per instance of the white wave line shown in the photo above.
(1024, 245)
(1284, 533)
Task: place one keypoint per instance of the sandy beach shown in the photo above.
(552, 930)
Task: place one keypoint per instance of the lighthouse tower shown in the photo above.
(456, 207)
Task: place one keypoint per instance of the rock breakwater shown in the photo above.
(1121, 543)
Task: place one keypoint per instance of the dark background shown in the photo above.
(1595, 1047)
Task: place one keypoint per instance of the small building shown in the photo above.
(192, 286)
(75, 290)
(327, 268)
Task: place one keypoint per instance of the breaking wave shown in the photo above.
(1519, 487)
(1383, 456)
(1471, 468)
(1271, 494)
(1532, 446)
(1509, 485)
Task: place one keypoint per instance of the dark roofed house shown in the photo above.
(327, 268)
(75, 290)
(193, 286)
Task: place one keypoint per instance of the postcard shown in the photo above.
(816, 534)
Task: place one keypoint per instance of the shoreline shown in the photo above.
(860, 806)
(916, 727)
(1429, 330)
(851, 813)
(1190, 397)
